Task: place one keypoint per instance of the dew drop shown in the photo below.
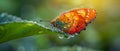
(70, 36)
(60, 36)
(88, 10)
(87, 16)
(67, 36)
(3, 14)
(76, 33)
(93, 10)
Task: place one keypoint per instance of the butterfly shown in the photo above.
(74, 21)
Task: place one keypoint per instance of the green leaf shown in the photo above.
(16, 30)
(13, 28)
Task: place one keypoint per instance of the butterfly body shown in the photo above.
(74, 21)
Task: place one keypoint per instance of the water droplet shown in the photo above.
(70, 36)
(3, 14)
(76, 33)
(67, 36)
(61, 36)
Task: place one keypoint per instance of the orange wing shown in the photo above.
(75, 20)
(87, 13)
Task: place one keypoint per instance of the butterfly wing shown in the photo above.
(74, 21)
(87, 13)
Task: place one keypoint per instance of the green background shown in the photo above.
(102, 34)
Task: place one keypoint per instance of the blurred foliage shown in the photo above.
(102, 34)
